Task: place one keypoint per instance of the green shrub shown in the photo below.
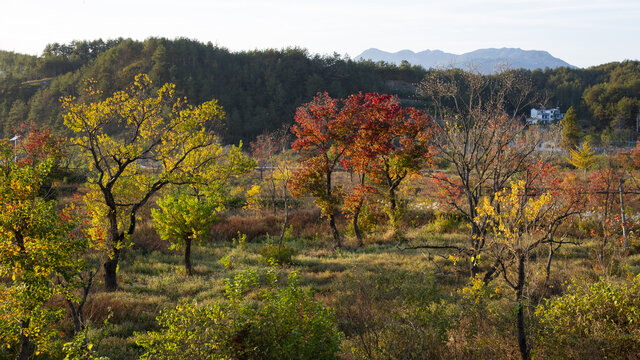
(241, 241)
(589, 227)
(392, 315)
(592, 321)
(284, 323)
(281, 255)
(235, 202)
(79, 348)
(445, 224)
(236, 255)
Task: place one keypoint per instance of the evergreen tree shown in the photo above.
(570, 135)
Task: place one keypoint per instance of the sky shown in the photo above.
(581, 32)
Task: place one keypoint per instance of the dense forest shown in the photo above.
(259, 90)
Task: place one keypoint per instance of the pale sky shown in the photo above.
(581, 32)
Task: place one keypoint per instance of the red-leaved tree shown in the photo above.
(321, 137)
(371, 135)
(390, 143)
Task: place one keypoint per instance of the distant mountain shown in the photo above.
(485, 61)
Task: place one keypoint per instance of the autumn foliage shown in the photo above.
(369, 134)
(37, 245)
(161, 140)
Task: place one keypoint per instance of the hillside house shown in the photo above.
(545, 116)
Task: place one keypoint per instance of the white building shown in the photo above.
(545, 116)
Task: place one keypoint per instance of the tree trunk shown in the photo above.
(332, 217)
(522, 336)
(110, 270)
(286, 216)
(26, 347)
(273, 196)
(111, 265)
(77, 324)
(76, 312)
(334, 231)
(475, 236)
(356, 228)
(284, 230)
(490, 274)
(475, 248)
(604, 226)
(25, 342)
(392, 208)
(473, 265)
(187, 256)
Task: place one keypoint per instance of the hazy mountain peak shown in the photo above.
(484, 60)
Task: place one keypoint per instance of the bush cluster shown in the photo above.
(598, 320)
(284, 323)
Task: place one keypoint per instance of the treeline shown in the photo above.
(260, 90)
(605, 97)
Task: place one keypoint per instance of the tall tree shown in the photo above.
(570, 133)
(583, 157)
(481, 135)
(604, 195)
(182, 219)
(321, 137)
(522, 218)
(185, 215)
(160, 140)
(390, 143)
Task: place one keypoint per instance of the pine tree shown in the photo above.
(570, 135)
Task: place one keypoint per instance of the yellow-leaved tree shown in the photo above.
(583, 157)
(39, 246)
(519, 219)
(183, 218)
(135, 143)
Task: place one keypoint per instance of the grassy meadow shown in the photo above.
(390, 299)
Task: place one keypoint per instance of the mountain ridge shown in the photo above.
(485, 61)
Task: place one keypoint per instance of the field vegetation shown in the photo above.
(367, 230)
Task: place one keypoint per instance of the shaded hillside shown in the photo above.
(606, 98)
(259, 90)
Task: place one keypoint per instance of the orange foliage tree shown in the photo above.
(390, 143)
(370, 134)
(322, 136)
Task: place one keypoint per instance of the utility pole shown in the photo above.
(624, 217)
(15, 147)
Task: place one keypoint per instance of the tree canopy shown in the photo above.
(160, 140)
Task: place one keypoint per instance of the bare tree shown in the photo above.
(270, 149)
(481, 136)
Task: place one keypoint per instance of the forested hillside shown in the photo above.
(260, 90)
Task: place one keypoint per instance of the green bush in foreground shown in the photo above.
(281, 255)
(592, 321)
(284, 323)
